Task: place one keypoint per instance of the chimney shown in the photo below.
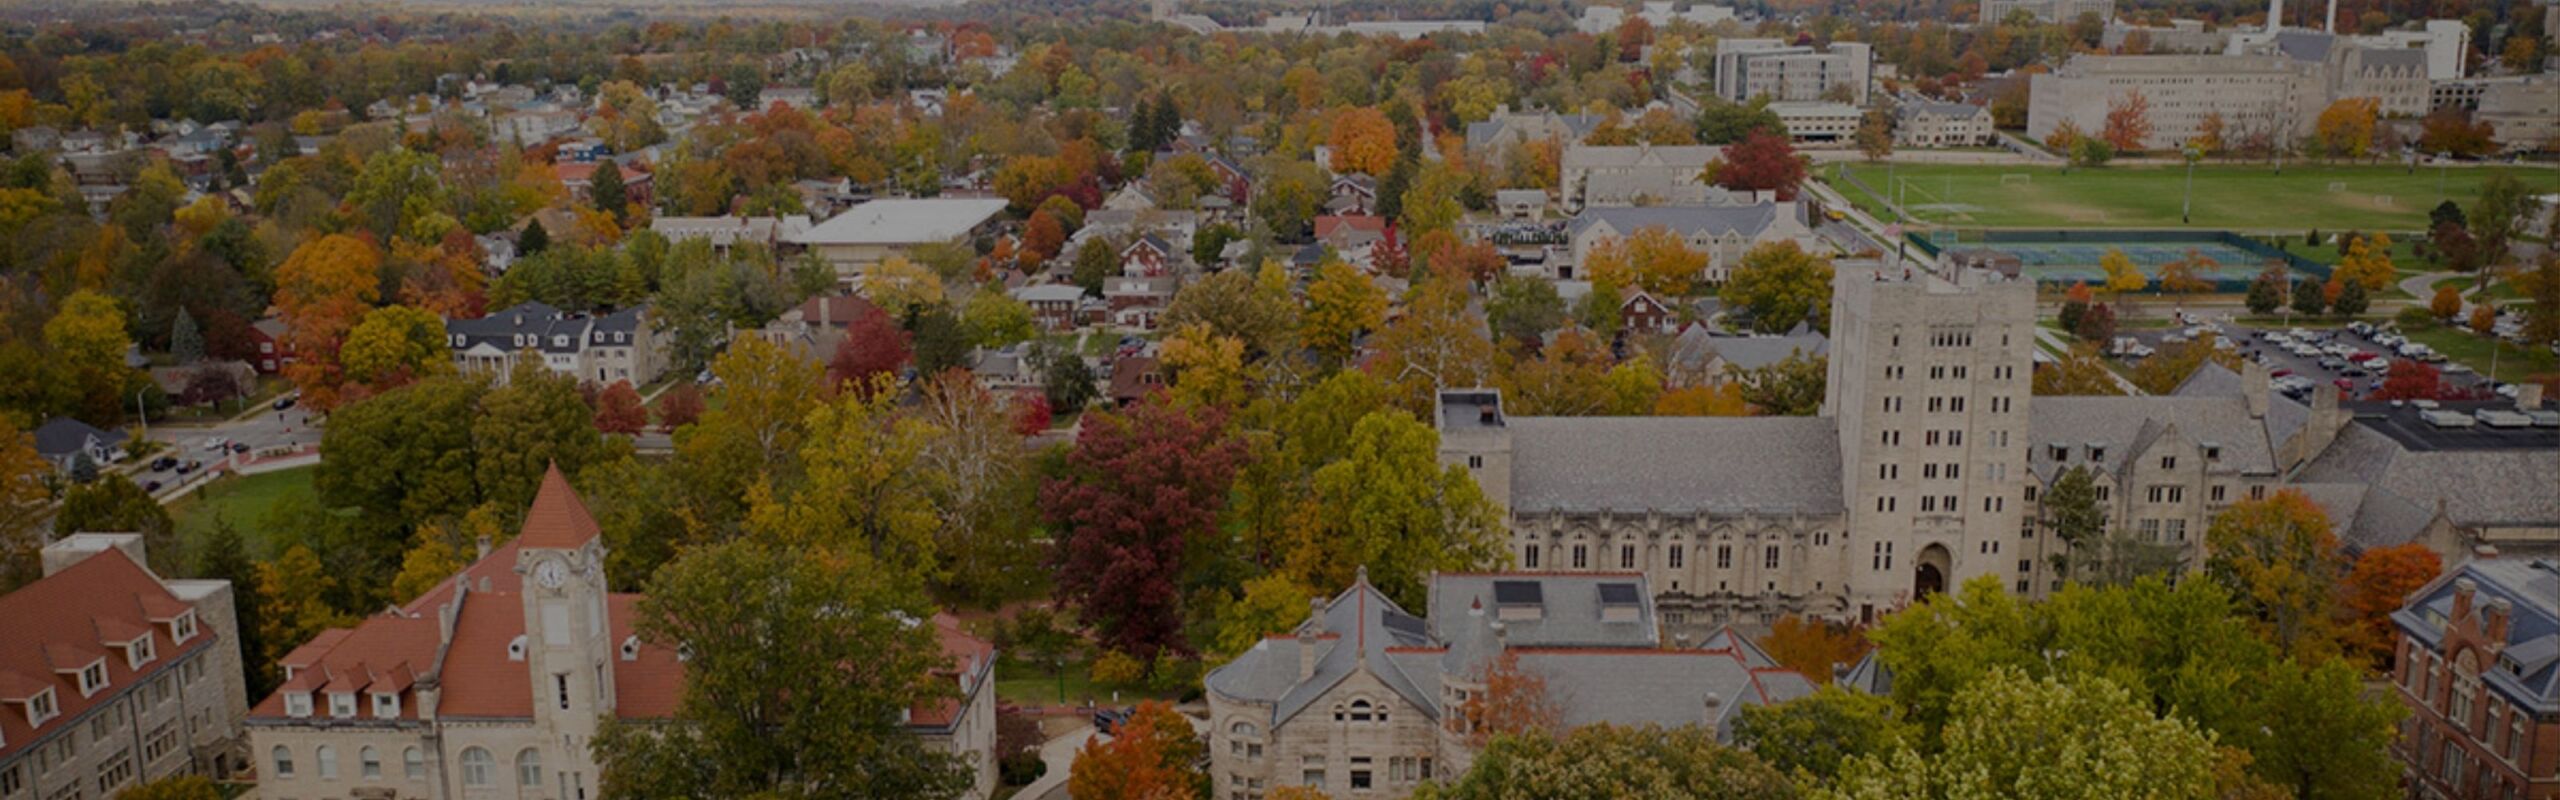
(2493, 624)
(2255, 386)
(484, 545)
(2528, 396)
(1307, 639)
(1839, 673)
(2462, 591)
(1715, 708)
(2326, 420)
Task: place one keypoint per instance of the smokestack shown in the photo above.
(2275, 15)
(2255, 386)
(2332, 25)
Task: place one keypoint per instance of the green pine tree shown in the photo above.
(186, 341)
(606, 191)
(535, 239)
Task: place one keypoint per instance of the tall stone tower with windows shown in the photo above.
(568, 650)
(1929, 380)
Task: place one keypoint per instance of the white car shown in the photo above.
(217, 444)
(2377, 364)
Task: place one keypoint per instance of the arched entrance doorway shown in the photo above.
(1930, 577)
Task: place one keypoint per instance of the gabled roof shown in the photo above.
(1765, 465)
(1684, 221)
(558, 520)
(2528, 670)
(64, 622)
(63, 436)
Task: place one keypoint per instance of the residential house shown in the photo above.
(1527, 205)
(1931, 123)
(1133, 377)
(1352, 194)
(728, 232)
(1364, 698)
(112, 677)
(603, 349)
(1055, 306)
(63, 440)
(495, 682)
(813, 330)
(1641, 312)
(1149, 256)
(639, 186)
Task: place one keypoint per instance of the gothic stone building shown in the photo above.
(493, 684)
(1365, 699)
(1926, 466)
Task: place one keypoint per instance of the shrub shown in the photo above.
(1173, 675)
(1118, 669)
(1020, 769)
(2415, 318)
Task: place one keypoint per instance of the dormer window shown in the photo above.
(297, 704)
(386, 706)
(139, 652)
(41, 708)
(342, 705)
(183, 628)
(93, 678)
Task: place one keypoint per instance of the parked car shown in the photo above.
(240, 447)
(1109, 720)
(284, 402)
(2375, 363)
(216, 444)
(150, 487)
(186, 468)
(163, 463)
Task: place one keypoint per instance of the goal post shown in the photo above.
(2015, 178)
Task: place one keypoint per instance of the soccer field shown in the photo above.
(2227, 197)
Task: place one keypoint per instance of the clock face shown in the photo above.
(550, 574)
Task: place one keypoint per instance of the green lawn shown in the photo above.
(243, 501)
(2233, 197)
(1031, 684)
(2514, 363)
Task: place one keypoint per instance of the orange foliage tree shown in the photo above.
(2382, 579)
(1812, 646)
(1514, 700)
(1155, 756)
(321, 290)
(2128, 122)
(1363, 141)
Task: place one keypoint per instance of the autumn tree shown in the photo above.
(680, 405)
(322, 290)
(1779, 286)
(2410, 379)
(1653, 259)
(1390, 506)
(2381, 581)
(873, 345)
(1362, 140)
(619, 410)
(2368, 263)
(2266, 291)
(2279, 556)
(1813, 647)
(2079, 372)
(2122, 276)
(293, 605)
(1437, 343)
(394, 345)
(2128, 124)
(2345, 128)
(1720, 400)
(88, 338)
(1342, 306)
(1875, 134)
(1134, 490)
(1155, 756)
(2447, 302)
(1521, 309)
(1762, 161)
(2011, 735)
(2164, 371)
(2188, 275)
(1789, 387)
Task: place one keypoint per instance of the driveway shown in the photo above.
(1060, 756)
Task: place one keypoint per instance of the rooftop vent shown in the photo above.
(2502, 418)
(2446, 419)
(1619, 602)
(2544, 418)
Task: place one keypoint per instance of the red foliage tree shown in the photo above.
(1156, 756)
(618, 410)
(1762, 161)
(1041, 237)
(680, 405)
(2128, 122)
(1031, 415)
(1136, 487)
(1389, 256)
(872, 345)
(2410, 380)
(2382, 579)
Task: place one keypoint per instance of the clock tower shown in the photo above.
(568, 647)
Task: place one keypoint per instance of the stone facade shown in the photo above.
(114, 677)
(1784, 73)
(599, 349)
(2063, 11)
(1922, 123)
(2274, 84)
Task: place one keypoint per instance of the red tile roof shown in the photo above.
(558, 519)
(970, 660)
(51, 628)
(1326, 225)
(582, 172)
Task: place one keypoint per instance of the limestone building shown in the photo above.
(2275, 84)
(1786, 73)
(1723, 233)
(1636, 175)
(2064, 11)
(1366, 699)
(111, 677)
(1930, 123)
(494, 683)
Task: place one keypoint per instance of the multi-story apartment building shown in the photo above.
(2274, 84)
(600, 349)
(493, 684)
(1787, 73)
(1365, 699)
(111, 676)
(1635, 175)
(2478, 668)
(1723, 233)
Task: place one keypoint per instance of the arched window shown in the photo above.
(328, 758)
(370, 761)
(284, 762)
(478, 769)
(1244, 739)
(414, 764)
(1361, 711)
(529, 767)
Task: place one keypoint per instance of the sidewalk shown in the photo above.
(1059, 755)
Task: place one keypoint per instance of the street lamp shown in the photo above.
(2188, 204)
(142, 413)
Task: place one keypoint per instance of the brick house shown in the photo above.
(2479, 671)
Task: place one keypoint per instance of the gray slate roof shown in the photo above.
(2528, 671)
(1685, 221)
(533, 325)
(2125, 425)
(2511, 486)
(60, 437)
(1769, 465)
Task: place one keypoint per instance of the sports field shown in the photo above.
(2246, 198)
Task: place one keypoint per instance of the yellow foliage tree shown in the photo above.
(2368, 262)
(321, 291)
(1207, 369)
(899, 285)
(1654, 259)
(2122, 276)
(1363, 140)
(1341, 304)
(2446, 303)
(1702, 401)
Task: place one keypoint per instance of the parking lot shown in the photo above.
(2304, 357)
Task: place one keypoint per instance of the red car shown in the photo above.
(2280, 373)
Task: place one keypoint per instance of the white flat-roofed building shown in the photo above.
(869, 233)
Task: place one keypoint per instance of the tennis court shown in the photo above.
(2063, 257)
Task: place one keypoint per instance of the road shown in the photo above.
(262, 429)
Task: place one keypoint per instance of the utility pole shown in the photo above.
(2187, 205)
(141, 413)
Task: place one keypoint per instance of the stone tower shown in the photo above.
(568, 639)
(1928, 380)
